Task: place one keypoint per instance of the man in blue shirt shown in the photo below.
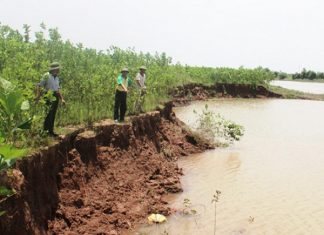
(50, 83)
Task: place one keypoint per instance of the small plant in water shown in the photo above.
(165, 232)
(215, 200)
(188, 210)
(217, 129)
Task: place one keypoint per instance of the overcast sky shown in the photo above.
(283, 35)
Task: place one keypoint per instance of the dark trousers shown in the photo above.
(120, 105)
(50, 118)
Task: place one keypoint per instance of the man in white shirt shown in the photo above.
(50, 83)
(140, 82)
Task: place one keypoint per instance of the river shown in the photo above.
(271, 181)
(308, 87)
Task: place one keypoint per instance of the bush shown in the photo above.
(217, 129)
(14, 111)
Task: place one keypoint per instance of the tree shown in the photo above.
(282, 75)
(26, 33)
(311, 75)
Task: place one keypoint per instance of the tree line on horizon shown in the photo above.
(303, 75)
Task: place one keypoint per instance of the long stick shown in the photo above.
(215, 221)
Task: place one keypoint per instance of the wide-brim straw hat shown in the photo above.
(125, 70)
(54, 66)
(142, 68)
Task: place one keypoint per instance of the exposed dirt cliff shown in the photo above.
(99, 181)
(195, 91)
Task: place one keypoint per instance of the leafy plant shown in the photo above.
(214, 201)
(8, 155)
(217, 129)
(14, 108)
(4, 191)
(188, 209)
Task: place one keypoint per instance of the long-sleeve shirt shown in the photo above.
(49, 82)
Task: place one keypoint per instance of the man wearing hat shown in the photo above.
(50, 83)
(123, 82)
(140, 81)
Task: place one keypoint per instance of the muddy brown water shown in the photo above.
(271, 181)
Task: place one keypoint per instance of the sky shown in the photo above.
(285, 35)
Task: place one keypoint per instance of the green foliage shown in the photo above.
(88, 79)
(257, 76)
(14, 115)
(8, 155)
(308, 74)
(11, 152)
(215, 128)
(282, 75)
(5, 164)
(6, 192)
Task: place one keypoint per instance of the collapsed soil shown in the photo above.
(101, 181)
(108, 179)
(122, 186)
(195, 91)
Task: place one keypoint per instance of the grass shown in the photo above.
(302, 80)
(292, 94)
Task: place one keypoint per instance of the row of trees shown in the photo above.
(308, 74)
(88, 77)
(304, 74)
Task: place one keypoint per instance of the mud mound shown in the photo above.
(100, 181)
(189, 92)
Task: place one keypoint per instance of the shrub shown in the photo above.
(217, 129)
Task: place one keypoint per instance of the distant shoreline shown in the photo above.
(302, 80)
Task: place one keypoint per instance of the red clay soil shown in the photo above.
(100, 181)
(195, 91)
(108, 179)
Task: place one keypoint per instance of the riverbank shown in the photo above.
(99, 181)
(196, 91)
(302, 80)
(108, 178)
(293, 94)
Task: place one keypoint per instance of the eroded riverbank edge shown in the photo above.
(185, 94)
(108, 179)
(99, 181)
